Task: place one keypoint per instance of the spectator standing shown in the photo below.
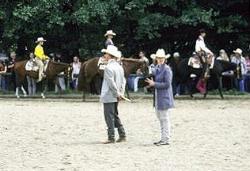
(31, 81)
(139, 74)
(241, 69)
(76, 66)
(3, 70)
(10, 68)
(223, 55)
(60, 78)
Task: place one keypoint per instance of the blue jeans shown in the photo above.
(3, 83)
(240, 84)
(247, 83)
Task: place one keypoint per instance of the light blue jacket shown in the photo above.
(114, 82)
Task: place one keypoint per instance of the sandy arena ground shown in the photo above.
(207, 135)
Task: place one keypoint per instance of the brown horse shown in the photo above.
(89, 71)
(53, 69)
(1, 67)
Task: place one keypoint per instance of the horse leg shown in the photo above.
(24, 92)
(17, 92)
(206, 85)
(83, 96)
(220, 86)
(126, 89)
(45, 87)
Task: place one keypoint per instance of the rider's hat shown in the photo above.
(110, 32)
(40, 39)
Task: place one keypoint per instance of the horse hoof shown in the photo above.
(43, 96)
(18, 97)
(25, 95)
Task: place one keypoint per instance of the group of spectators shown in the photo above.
(8, 76)
(241, 82)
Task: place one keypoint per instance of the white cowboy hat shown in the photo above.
(40, 39)
(176, 54)
(238, 50)
(109, 32)
(160, 53)
(112, 50)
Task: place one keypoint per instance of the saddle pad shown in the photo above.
(195, 63)
(101, 64)
(31, 66)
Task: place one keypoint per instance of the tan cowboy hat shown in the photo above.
(112, 50)
(160, 53)
(109, 32)
(238, 50)
(40, 39)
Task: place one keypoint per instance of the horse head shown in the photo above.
(55, 68)
(130, 65)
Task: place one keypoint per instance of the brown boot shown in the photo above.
(109, 141)
(121, 139)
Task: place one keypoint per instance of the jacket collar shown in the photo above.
(111, 61)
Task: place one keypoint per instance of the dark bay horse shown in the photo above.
(90, 70)
(183, 71)
(53, 69)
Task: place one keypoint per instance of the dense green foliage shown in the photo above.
(78, 26)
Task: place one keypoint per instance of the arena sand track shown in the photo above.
(66, 135)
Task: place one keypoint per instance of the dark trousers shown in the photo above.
(112, 120)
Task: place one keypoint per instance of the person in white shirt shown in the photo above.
(76, 66)
(241, 69)
(200, 43)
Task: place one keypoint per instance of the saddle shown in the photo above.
(32, 66)
(195, 62)
(102, 63)
(201, 59)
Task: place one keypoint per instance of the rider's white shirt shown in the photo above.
(200, 45)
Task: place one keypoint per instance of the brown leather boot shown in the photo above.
(121, 139)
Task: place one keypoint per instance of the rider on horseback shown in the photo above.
(205, 55)
(200, 43)
(40, 57)
(109, 34)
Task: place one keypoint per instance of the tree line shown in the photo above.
(77, 27)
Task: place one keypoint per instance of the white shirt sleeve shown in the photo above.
(200, 45)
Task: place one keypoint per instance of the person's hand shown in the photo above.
(150, 82)
(119, 98)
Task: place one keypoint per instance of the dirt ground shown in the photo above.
(60, 134)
